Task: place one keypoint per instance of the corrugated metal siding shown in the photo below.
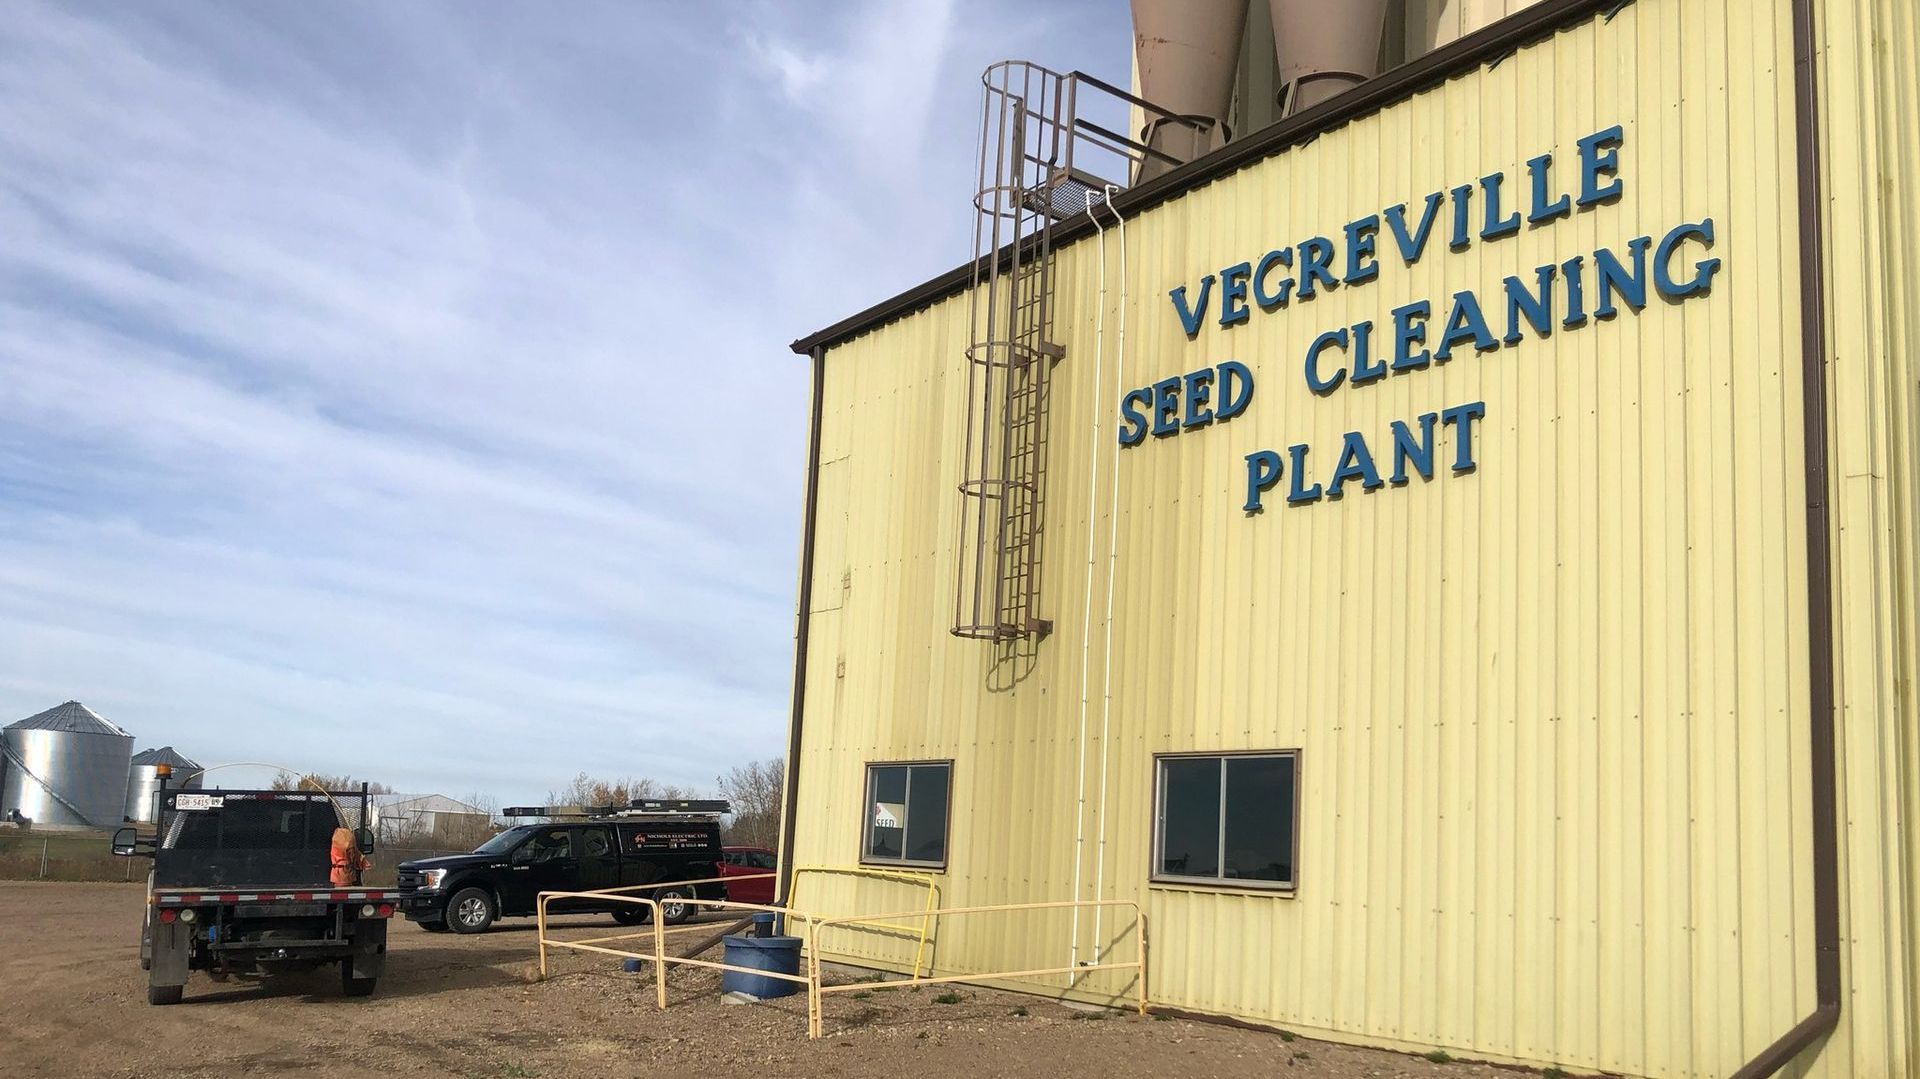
(1433, 23)
(1552, 715)
(1870, 87)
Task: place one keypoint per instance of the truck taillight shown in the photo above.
(386, 910)
(167, 915)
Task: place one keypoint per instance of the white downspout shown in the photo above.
(1086, 615)
(1113, 552)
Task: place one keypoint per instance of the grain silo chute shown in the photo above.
(1193, 57)
(1325, 49)
(1187, 52)
(65, 768)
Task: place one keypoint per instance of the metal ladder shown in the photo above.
(1030, 129)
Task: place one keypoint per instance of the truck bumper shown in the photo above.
(423, 906)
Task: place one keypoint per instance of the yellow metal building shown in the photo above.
(1604, 750)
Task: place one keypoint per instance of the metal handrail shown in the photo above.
(818, 990)
(659, 884)
(658, 956)
(902, 875)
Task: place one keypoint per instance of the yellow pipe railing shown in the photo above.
(816, 990)
(926, 880)
(658, 956)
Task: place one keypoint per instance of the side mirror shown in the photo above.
(128, 843)
(364, 836)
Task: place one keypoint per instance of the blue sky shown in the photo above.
(403, 389)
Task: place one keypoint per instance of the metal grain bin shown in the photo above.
(143, 780)
(66, 768)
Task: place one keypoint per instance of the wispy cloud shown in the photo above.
(395, 390)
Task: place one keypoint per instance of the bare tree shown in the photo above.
(287, 781)
(587, 792)
(755, 789)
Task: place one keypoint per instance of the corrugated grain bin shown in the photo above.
(143, 780)
(66, 768)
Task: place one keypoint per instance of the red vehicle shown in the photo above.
(754, 867)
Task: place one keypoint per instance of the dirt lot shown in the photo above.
(72, 1003)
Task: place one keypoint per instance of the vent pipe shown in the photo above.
(1187, 51)
(1323, 47)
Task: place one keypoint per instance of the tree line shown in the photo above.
(754, 790)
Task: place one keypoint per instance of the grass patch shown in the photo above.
(948, 998)
(862, 995)
(1555, 1073)
(1089, 1015)
(519, 1071)
(1287, 1035)
(1439, 1056)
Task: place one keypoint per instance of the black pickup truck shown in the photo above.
(241, 885)
(648, 842)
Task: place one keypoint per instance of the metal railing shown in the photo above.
(902, 875)
(658, 932)
(817, 990)
(812, 980)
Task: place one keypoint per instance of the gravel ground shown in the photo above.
(72, 1003)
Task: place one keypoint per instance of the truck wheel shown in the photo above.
(629, 914)
(164, 994)
(674, 907)
(352, 986)
(470, 911)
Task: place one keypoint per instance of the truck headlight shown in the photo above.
(430, 880)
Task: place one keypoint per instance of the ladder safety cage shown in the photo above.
(1036, 129)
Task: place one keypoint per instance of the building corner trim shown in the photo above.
(803, 620)
(1813, 371)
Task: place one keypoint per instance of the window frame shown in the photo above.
(866, 817)
(1156, 852)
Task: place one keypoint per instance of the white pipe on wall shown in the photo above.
(1086, 604)
(1113, 553)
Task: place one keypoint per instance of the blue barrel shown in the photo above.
(780, 955)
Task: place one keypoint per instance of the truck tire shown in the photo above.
(434, 927)
(164, 994)
(352, 986)
(471, 910)
(674, 907)
(632, 914)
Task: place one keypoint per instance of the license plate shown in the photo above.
(197, 801)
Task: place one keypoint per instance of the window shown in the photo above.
(595, 843)
(760, 859)
(1227, 819)
(545, 847)
(907, 813)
